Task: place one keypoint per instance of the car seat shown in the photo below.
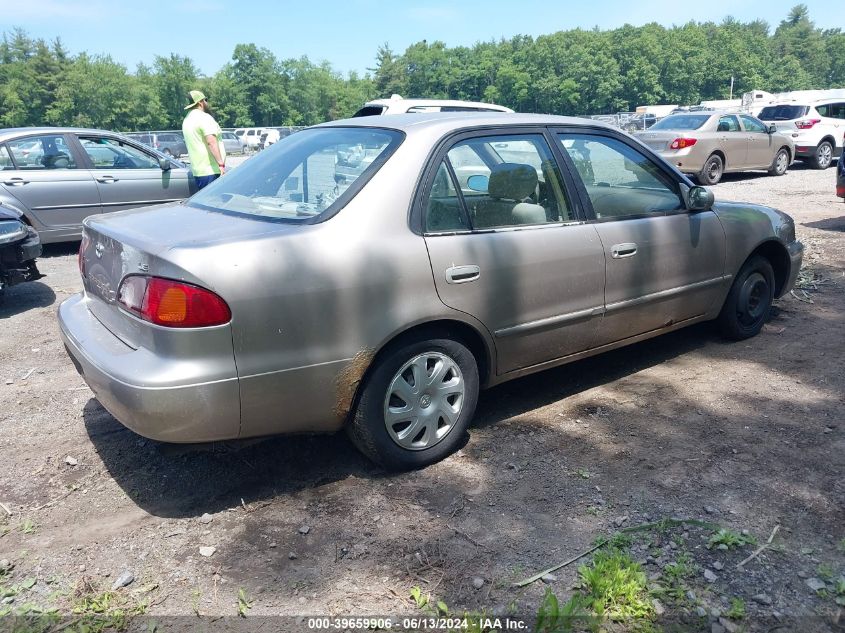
(510, 188)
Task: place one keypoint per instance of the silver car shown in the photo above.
(710, 144)
(298, 295)
(56, 177)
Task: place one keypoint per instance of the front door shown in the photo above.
(128, 177)
(664, 264)
(761, 150)
(507, 248)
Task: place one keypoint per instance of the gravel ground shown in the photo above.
(749, 436)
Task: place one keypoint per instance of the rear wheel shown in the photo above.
(712, 171)
(780, 164)
(823, 156)
(749, 301)
(417, 404)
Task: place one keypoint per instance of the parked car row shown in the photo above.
(170, 143)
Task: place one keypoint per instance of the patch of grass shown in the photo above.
(424, 603)
(583, 473)
(244, 602)
(737, 609)
(593, 510)
(730, 539)
(824, 571)
(552, 617)
(616, 586)
(28, 526)
(97, 611)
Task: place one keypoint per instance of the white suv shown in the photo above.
(815, 127)
(398, 105)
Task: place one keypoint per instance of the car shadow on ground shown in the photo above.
(25, 296)
(186, 480)
(828, 224)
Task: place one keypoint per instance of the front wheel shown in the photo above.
(780, 164)
(823, 156)
(749, 301)
(415, 407)
(712, 171)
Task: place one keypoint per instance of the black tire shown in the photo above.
(749, 301)
(781, 163)
(712, 171)
(368, 427)
(822, 156)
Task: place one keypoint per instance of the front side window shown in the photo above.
(108, 153)
(305, 176)
(501, 181)
(620, 181)
(42, 152)
(753, 125)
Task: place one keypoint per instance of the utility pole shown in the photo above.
(732, 87)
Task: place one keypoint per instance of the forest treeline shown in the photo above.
(567, 72)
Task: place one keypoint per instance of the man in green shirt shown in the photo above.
(204, 140)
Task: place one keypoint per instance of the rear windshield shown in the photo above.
(681, 122)
(782, 112)
(303, 177)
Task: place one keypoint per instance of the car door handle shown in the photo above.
(462, 274)
(15, 182)
(619, 251)
(107, 179)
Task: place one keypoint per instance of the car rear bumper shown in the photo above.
(195, 411)
(686, 161)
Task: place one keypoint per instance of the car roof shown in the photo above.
(13, 132)
(445, 122)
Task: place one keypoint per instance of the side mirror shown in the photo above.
(772, 129)
(700, 199)
(164, 163)
(479, 182)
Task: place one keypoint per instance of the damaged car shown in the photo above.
(469, 249)
(19, 248)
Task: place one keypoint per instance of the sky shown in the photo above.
(348, 34)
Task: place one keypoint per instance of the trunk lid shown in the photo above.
(172, 241)
(660, 141)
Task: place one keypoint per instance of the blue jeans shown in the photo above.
(202, 181)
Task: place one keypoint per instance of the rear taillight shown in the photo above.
(840, 191)
(681, 143)
(172, 303)
(80, 258)
(806, 124)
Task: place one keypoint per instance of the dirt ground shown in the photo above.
(746, 435)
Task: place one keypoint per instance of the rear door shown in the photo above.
(664, 264)
(128, 176)
(508, 246)
(47, 178)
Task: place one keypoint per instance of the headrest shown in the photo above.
(512, 181)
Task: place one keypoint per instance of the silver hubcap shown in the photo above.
(424, 400)
(781, 165)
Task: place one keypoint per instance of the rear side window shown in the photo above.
(782, 112)
(42, 152)
(833, 110)
(501, 181)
